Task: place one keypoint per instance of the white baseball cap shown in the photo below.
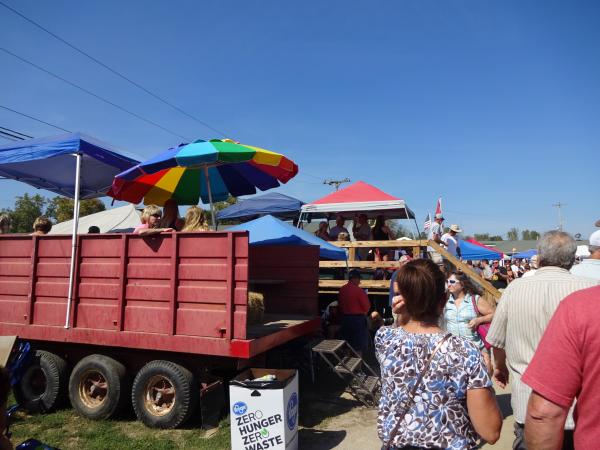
(595, 239)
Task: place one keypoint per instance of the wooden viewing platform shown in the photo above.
(381, 287)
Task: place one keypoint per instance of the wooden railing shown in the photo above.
(382, 286)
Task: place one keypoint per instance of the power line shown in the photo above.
(33, 118)
(8, 136)
(114, 71)
(87, 91)
(18, 133)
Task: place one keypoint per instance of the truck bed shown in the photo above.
(181, 292)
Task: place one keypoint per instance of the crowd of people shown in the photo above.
(449, 341)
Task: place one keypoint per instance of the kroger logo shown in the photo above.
(292, 411)
(240, 408)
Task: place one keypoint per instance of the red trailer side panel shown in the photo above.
(182, 292)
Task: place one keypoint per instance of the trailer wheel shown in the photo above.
(98, 387)
(164, 394)
(44, 383)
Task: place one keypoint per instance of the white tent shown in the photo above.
(114, 220)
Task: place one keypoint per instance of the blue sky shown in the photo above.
(495, 106)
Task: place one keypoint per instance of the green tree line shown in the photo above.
(29, 207)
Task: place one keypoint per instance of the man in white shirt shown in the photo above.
(435, 234)
(451, 241)
(532, 267)
(590, 267)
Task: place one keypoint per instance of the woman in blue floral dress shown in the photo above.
(454, 405)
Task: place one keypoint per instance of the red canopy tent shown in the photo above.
(358, 198)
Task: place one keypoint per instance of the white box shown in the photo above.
(264, 415)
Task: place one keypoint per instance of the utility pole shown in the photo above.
(558, 206)
(336, 183)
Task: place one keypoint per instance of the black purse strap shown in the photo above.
(413, 391)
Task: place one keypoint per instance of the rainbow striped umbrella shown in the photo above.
(208, 170)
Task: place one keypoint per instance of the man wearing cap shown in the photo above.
(451, 241)
(436, 230)
(590, 267)
(435, 234)
(353, 306)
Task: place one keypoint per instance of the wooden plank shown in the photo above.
(366, 284)
(360, 264)
(474, 276)
(389, 244)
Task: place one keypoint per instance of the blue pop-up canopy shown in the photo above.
(73, 165)
(274, 203)
(528, 254)
(269, 230)
(50, 163)
(470, 251)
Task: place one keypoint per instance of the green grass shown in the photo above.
(66, 430)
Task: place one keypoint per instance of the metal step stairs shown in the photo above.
(361, 379)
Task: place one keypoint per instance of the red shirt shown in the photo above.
(353, 300)
(566, 363)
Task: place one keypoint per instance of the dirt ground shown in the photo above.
(342, 423)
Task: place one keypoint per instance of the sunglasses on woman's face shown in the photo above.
(156, 215)
(453, 281)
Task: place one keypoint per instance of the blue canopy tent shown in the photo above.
(528, 254)
(276, 204)
(268, 230)
(73, 165)
(470, 251)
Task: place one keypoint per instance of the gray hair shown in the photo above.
(556, 248)
(593, 248)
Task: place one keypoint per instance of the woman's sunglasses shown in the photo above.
(453, 281)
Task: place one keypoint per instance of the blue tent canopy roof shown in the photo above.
(526, 254)
(48, 163)
(268, 230)
(474, 252)
(273, 203)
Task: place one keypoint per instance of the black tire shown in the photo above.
(98, 387)
(43, 386)
(164, 394)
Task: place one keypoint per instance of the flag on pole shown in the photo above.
(427, 224)
(438, 207)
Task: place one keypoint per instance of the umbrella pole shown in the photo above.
(210, 200)
(74, 239)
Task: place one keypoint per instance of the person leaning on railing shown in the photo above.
(150, 219)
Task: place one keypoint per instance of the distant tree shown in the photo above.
(496, 238)
(530, 235)
(482, 237)
(61, 208)
(513, 234)
(27, 208)
(399, 230)
(218, 206)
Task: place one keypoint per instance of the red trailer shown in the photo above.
(152, 317)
